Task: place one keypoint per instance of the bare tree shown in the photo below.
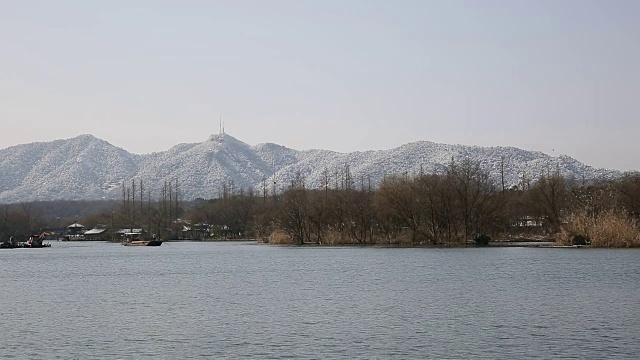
(294, 213)
(549, 196)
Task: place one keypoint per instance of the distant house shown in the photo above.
(130, 234)
(199, 231)
(75, 231)
(96, 234)
(529, 221)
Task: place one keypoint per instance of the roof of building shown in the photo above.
(129, 231)
(95, 231)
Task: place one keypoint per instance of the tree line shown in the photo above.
(138, 209)
(458, 205)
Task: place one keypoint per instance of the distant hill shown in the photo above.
(89, 168)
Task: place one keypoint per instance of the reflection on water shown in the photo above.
(184, 300)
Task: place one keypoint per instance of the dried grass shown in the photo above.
(608, 229)
(280, 237)
(333, 237)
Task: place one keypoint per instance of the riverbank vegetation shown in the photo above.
(457, 205)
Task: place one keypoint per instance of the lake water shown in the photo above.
(81, 300)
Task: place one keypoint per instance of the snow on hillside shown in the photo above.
(86, 167)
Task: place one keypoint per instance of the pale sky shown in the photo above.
(558, 76)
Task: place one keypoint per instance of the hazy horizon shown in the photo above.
(555, 77)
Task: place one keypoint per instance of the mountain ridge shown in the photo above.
(89, 168)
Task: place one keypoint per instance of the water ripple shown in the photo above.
(226, 300)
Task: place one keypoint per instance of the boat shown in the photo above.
(35, 241)
(33, 245)
(8, 245)
(133, 239)
(142, 243)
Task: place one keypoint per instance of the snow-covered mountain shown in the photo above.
(86, 167)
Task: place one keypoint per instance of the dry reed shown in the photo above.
(608, 229)
(280, 237)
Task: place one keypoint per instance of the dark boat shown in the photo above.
(133, 239)
(142, 243)
(35, 241)
(9, 244)
(32, 245)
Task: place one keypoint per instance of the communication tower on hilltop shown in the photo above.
(221, 129)
(221, 126)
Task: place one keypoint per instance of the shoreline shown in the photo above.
(492, 244)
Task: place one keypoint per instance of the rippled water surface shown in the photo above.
(242, 300)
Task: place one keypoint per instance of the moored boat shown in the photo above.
(33, 245)
(142, 243)
(35, 241)
(134, 239)
(9, 244)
